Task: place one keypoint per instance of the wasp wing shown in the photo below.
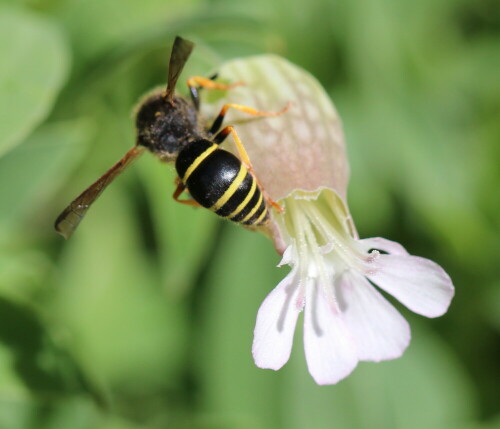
(68, 220)
(181, 50)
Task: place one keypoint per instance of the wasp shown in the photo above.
(168, 125)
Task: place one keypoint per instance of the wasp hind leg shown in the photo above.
(245, 159)
(195, 83)
(179, 190)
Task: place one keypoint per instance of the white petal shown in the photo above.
(379, 331)
(420, 284)
(276, 320)
(383, 244)
(289, 255)
(330, 350)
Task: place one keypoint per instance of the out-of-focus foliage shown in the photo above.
(144, 318)
(28, 92)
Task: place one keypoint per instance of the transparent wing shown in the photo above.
(181, 50)
(69, 219)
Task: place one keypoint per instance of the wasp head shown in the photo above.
(165, 126)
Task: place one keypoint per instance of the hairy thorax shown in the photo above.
(165, 127)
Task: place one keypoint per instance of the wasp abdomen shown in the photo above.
(218, 180)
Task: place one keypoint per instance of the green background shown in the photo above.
(144, 319)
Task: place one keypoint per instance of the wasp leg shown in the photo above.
(245, 159)
(195, 83)
(194, 91)
(246, 109)
(179, 190)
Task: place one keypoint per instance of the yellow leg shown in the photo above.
(246, 109)
(205, 82)
(179, 190)
(251, 110)
(219, 138)
(245, 159)
(196, 82)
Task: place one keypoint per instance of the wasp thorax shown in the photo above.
(166, 126)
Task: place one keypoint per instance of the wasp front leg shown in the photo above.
(246, 109)
(196, 82)
(245, 159)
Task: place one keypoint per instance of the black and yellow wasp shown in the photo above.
(168, 125)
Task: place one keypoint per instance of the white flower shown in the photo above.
(346, 319)
(300, 160)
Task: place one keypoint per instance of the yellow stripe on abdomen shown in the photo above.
(238, 180)
(245, 202)
(261, 217)
(199, 159)
(252, 212)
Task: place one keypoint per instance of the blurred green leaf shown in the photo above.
(35, 61)
(116, 22)
(22, 271)
(240, 276)
(123, 327)
(57, 413)
(184, 234)
(427, 387)
(31, 359)
(32, 172)
(18, 413)
(491, 302)
(493, 423)
(11, 383)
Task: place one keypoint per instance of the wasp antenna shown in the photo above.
(181, 50)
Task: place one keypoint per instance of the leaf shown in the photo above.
(110, 299)
(29, 412)
(32, 172)
(241, 274)
(492, 423)
(112, 22)
(185, 235)
(427, 387)
(35, 62)
(491, 304)
(31, 359)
